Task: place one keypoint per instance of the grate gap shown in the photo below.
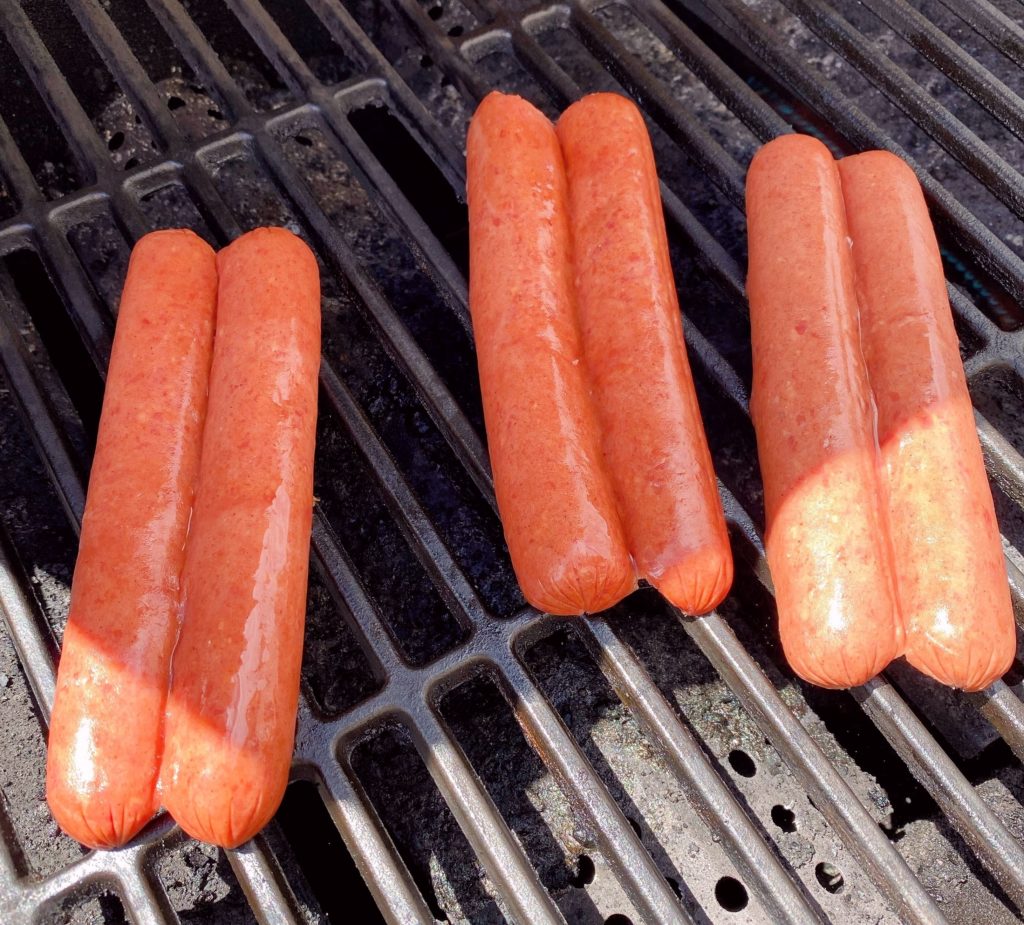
(95, 902)
(240, 54)
(676, 169)
(325, 862)
(525, 792)
(628, 763)
(998, 394)
(58, 334)
(418, 177)
(983, 290)
(423, 829)
(38, 847)
(40, 141)
(199, 883)
(157, 54)
(390, 33)
(965, 194)
(389, 261)
(310, 38)
(502, 70)
(1009, 515)
(171, 206)
(103, 253)
(91, 81)
(173, 77)
(671, 73)
(845, 729)
(333, 665)
(406, 599)
(33, 518)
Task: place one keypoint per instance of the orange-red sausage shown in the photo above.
(106, 731)
(827, 537)
(652, 434)
(235, 675)
(555, 499)
(949, 562)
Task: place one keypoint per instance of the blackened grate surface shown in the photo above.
(467, 758)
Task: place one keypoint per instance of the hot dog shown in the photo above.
(563, 532)
(652, 434)
(235, 674)
(827, 535)
(949, 562)
(107, 725)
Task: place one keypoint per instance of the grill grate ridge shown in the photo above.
(412, 693)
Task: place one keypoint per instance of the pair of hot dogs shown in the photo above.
(882, 538)
(179, 674)
(601, 467)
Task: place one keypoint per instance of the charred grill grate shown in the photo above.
(347, 124)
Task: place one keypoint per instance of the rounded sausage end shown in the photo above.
(788, 148)
(972, 666)
(95, 820)
(875, 163)
(698, 584)
(843, 662)
(228, 807)
(273, 238)
(506, 106)
(176, 240)
(595, 109)
(585, 587)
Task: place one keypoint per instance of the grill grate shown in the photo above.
(753, 83)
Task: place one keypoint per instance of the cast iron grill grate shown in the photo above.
(481, 761)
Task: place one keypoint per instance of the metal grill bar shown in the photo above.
(387, 877)
(34, 650)
(993, 25)
(258, 878)
(985, 88)
(48, 437)
(93, 158)
(1004, 710)
(973, 819)
(725, 83)
(402, 347)
(131, 76)
(644, 884)
(1003, 180)
(873, 851)
(201, 57)
(347, 33)
(294, 71)
(748, 32)
(689, 135)
(322, 744)
(491, 840)
(704, 788)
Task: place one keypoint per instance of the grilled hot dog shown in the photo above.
(949, 562)
(555, 499)
(106, 731)
(235, 678)
(827, 535)
(651, 428)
